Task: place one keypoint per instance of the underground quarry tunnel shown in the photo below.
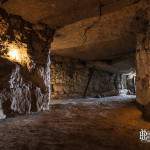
(74, 74)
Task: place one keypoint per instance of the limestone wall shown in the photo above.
(24, 65)
(69, 79)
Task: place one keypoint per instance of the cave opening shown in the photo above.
(75, 81)
(128, 85)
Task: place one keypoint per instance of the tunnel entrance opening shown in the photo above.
(73, 79)
(128, 85)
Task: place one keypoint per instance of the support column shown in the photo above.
(143, 69)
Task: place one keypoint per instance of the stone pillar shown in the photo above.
(143, 68)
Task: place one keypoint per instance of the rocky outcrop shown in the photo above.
(27, 77)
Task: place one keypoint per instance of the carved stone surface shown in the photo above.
(69, 78)
(143, 67)
(25, 85)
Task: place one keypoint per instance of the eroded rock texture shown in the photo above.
(143, 64)
(143, 71)
(25, 83)
(69, 79)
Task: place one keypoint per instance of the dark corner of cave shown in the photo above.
(74, 74)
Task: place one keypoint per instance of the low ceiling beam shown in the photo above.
(105, 9)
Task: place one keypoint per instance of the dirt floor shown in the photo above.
(95, 124)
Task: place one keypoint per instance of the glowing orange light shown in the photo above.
(17, 53)
(14, 54)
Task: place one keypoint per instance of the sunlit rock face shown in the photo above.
(24, 65)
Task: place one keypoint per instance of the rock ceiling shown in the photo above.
(85, 29)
